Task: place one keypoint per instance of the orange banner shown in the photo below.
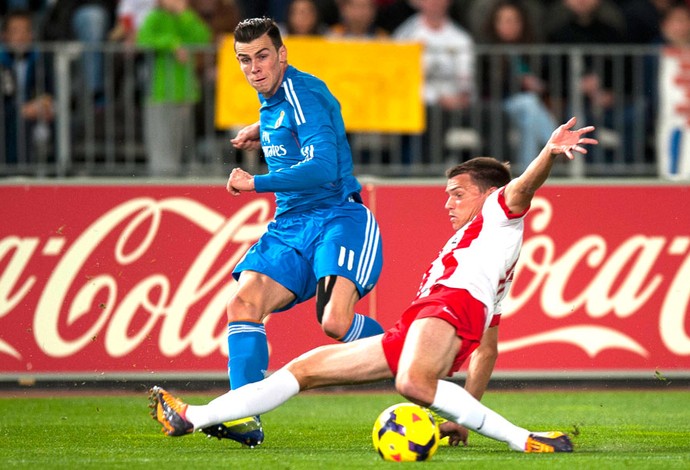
(378, 83)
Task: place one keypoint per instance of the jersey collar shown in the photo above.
(280, 93)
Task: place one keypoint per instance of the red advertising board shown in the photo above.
(122, 280)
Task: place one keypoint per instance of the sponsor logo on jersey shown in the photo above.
(265, 137)
(307, 152)
(274, 150)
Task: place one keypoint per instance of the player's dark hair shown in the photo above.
(486, 172)
(253, 28)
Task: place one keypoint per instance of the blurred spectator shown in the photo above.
(25, 82)
(212, 144)
(220, 15)
(89, 22)
(604, 106)
(357, 20)
(303, 19)
(479, 10)
(669, 68)
(275, 9)
(449, 67)
(393, 14)
(675, 26)
(674, 32)
(36, 8)
(585, 22)
(330, 11)
(169, 109)
(521, 89)
(643, 19)
(129, 65)
(130, 15)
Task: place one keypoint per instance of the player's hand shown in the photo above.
(247, 138)
(454, 432)
(239, 181)
(564, 140)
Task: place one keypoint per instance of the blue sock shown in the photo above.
(362, 327)
(247, 353)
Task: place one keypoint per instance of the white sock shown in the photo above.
(454, 403)
(250, 400)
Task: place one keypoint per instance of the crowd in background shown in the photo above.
(450, 29)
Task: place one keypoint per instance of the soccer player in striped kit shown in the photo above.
(323, 240)
(454, 314)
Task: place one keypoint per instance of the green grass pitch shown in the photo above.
(610, 429)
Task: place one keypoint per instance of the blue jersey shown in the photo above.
(303, 140)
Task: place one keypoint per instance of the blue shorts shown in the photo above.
(296, 251)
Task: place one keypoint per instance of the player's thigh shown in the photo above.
(262, 293)
(344, 363)
(430, 349)
(282, 263)
(350, 246)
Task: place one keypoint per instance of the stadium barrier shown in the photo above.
(99, 136)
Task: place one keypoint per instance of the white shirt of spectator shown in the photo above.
(448, 57)
(136, 10)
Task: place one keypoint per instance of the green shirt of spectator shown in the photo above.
(168, 29)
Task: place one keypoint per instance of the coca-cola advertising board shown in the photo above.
(119, 280)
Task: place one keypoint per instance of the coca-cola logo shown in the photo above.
(67, 297)
(621, 282)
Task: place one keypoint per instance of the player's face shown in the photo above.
(465, 199)
(262, 64)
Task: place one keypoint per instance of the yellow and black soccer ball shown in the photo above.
(405, 433)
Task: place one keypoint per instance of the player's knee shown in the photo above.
(239, 309)
(334, 320)
(416, 389)
(305, 370)
(333, 327)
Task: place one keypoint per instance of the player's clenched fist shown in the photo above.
(239, 181)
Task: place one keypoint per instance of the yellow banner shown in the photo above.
(378, 83)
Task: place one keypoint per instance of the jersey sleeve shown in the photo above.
(317, 137)
(495, 318)
(501, 199)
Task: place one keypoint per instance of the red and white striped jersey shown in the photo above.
(481, 256)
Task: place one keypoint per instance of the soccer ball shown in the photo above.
(405, 433)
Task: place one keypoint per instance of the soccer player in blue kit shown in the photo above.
(323, 240)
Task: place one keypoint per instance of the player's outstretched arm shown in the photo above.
(564, 140)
